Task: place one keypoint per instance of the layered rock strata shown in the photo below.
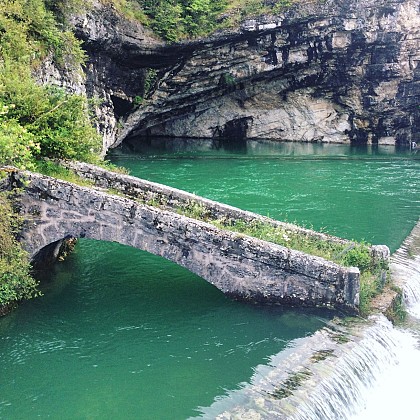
(324, 71)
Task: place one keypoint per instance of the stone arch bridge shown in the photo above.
(145, 215)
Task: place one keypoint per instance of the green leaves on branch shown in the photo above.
(29, 31)
(17, 146)
(39, 121)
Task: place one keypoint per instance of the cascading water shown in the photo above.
(395, 393)
(356, 371)
(405, 269)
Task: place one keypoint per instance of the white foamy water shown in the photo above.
(365, 371)
(394, 394)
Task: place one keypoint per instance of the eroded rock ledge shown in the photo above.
(333, 71)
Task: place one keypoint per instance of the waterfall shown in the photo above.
(355, 370)
(322, 377)
(405, 270)
(395, 393)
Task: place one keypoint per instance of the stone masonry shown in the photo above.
(240, 266)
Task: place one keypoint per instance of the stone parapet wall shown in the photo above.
(240, 266)
(173, 199)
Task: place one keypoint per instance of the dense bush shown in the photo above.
(177, 19)
(16, 282)
(39, 121)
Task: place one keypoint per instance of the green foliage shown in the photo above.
(195, 210)
(238, 10)
(63, 8)
(38, 121)
(43, 121)
(250, 8)
(131, 9)
(30, 31)
(138, 100)
(166, 21)
(368, 290)
(227, 80)
(148, 85)
(253, 8)
(16, 283)
(281, 5)
(53, 169)
(151, 76)
(17, 145)
(358, 256)
(57, 170)
(177, 19)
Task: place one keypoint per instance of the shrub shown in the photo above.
(47, 121)
(17, 146)
(176, 19)
(16, 283)
(39, 121)
(358, 256)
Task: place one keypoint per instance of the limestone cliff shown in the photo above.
(327, 71)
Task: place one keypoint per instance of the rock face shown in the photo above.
(241, 266)
(119, 52)
(340, 71)
(325, 71)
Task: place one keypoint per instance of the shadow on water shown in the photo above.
(179, 146)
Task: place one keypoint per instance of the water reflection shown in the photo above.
(164, 146)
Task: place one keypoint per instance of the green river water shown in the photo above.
(122, 334)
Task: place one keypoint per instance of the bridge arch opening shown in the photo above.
(123, 262)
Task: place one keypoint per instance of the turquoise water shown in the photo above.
(121, 334)
(366, 193)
